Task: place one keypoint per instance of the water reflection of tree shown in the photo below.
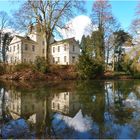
(121, 91)
(42, 93)
(92, 98)
(4, 110)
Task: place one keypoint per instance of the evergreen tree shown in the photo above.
(106, 24)
(121, 39)
(5, 41)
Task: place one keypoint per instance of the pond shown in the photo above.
(70, 109)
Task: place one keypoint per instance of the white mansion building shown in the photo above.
(26, 49)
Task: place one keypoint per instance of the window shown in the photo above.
(65, 96)
(53, 105)
(65, 47)
(53, 60)
(18, 48)
(11, 59)
(15, 59)
(24, 60)
(43, 43)
(73, 59)
(18, 109)
(53, 49)
(65, 108)
(33, 48)
(65, 58)
(73, 48)
(9, 49)
(26, 47)
(14, 48)
(43, 51)
(58, 106)
(58, 59)
(58, 48)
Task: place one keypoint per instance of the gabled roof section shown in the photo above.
(64, 40)
(27, 38)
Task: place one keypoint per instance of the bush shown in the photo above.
(41, 65)
(2, 69)
(135, 69)
(22, 66)
(88, 67)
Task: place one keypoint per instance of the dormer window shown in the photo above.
(73, 48)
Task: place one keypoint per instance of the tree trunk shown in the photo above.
(47, 51)
(0, 44)
(107, 58)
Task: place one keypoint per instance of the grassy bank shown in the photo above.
(41, 71)
(30, 72)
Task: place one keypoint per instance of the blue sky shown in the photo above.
(124, 10)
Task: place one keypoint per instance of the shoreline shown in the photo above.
(37, 76)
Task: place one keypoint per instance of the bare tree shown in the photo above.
(103, 18)
(51, 15)
(135, 25)
(4, 20)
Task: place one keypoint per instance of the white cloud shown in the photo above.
(77, 27)
(13, 31)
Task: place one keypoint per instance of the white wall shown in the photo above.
(18, 54)
(74, 52)
(29, 55)
(69, 53)
(14, 53)
(61, 54)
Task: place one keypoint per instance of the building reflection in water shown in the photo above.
(36, 109)
(65, 102)
(25, 105)
(89, 110)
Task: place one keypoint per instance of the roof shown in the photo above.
(64, 40)
(27, 38)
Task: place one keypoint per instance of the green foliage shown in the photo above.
(22, 66)
(40, 64)
(88, 67)
(125, 64)
(93, 45)
(131, 66)
(5, 39)
(2, 69)
(86, 45)
(121, 38)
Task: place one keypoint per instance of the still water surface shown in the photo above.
(67, 110)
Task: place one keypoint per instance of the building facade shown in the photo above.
(26, 49)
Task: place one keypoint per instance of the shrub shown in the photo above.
(88, 67)
(22, 66)
(41, 65)
(2, 69)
